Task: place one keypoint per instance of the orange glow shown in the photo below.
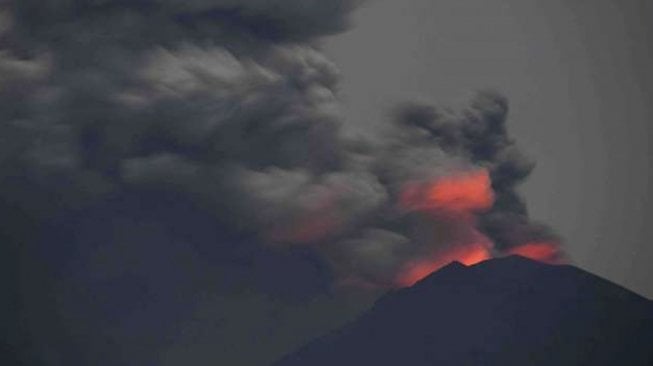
(539, 251)
(467, 255)
(310, 229)
(314, 224)
(465, 193)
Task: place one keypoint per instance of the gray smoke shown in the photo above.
(233, 105)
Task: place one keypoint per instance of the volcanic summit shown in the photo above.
(505, 311)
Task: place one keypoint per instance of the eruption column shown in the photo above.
(458, 198)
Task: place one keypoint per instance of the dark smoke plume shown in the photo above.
(232, 104)
(156, 151)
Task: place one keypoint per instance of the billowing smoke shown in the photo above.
(232, 105)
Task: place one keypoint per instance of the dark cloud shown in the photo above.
(171, 156)
(254, 134)
(139, 22)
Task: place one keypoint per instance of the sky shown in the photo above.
(184, 182)
(579, 80)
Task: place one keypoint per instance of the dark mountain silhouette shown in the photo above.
(509, 311)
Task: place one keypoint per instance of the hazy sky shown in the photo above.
(579, 79)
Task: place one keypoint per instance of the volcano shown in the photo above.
(505, 311)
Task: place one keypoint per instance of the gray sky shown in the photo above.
(579, 80)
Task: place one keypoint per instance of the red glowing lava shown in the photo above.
(464, 193)
(540, 251)
(467, 255)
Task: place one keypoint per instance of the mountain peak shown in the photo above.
(504, 311)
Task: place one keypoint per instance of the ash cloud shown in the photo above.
(479, 136)
(231, 107)
(232, 104)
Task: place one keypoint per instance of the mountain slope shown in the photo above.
(509, 311)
